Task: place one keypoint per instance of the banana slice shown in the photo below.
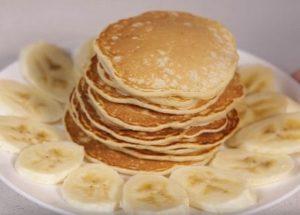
(292, 106)
(257, 78)
(49, 163)
(258, 106)
(20, 100)
(49, 68)
(246, 115)
(266, 104)
(257, 168)
(279, 134)
(150, 194)
(82, 57)
(16, 133)
(213, 190)
(93, 187)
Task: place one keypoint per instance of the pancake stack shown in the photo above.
(159, 93)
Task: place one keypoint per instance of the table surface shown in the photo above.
(267, 28)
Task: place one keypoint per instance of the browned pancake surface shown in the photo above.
(138, 116)
(141, 134)
(114, 158)
(93, 76)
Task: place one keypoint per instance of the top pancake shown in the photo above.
(170, 101)
(109, 92)
(168, 54)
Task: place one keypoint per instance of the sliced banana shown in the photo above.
(150, 194)
(49, 68)
(279, 134)
(257, 78)
(93, 187)
(83, 55)
(246, 115)
(266, 104)
(292, 106)
(49, 163)
(16, 133)
(213, 190)
(21, 100)
(257, 168)
(258, 106)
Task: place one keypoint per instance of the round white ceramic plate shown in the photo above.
(49, 196)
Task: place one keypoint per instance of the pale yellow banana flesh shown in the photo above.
(49, 163)
(257, 78)
(256, 168)
(93, 187)
(214, 190)
(153, 194)
(50, 69)
(26, 101)
(279, 134)
(16, 133)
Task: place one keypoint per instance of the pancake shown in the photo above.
(122, 162)
(160, 93)
(162, 137)
(171, 101)
(204, 141)
(168, 54)
(182, 150)
(150, 152)
(189, 143)
(159, 168)
(114, 95)
(140, 119)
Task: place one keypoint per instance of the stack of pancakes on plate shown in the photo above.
(160, 93)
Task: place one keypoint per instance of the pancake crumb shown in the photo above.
(114, 37)
(137, 24)
(188, 24)
(117, 59)
(159, 83)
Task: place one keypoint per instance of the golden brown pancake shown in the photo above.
(171, 101)
(122, 162)
(173, 148)
(163, 53)
(141, 119)
(160, 93)
(205, 139)
(148, 153)
(114, 95)
(161, 137)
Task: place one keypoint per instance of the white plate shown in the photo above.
(49, 197)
